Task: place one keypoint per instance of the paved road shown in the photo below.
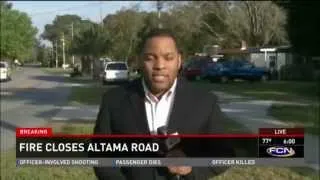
(29, 100)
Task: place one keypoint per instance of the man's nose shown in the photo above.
(159, 63)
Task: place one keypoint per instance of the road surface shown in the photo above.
(29, 100)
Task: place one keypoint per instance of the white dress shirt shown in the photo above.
(158, 110)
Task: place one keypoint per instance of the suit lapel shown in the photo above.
(138, 106)
(176, 118)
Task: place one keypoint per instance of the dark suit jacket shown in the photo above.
(195, 111)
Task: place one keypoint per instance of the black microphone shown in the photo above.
(170, 146)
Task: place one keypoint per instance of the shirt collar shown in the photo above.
(166, 95)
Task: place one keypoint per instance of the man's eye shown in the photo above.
(148, 58)
(169, 58)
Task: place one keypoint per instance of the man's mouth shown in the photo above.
(159, 77)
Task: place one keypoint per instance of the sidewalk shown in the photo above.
(247, 111)
(79, 113)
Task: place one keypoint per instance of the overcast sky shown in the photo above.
(44, 12)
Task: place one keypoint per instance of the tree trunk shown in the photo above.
(85, 63)
(96, 68)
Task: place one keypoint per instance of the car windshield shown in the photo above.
(117, 66)
(2, 65)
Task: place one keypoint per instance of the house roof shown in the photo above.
(233, 51)
(254, 50)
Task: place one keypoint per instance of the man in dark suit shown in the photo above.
(159, 98)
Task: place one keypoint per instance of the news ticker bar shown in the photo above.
(160, 162)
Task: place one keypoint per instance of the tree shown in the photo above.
(232, 22)
(185, 20)
(91, 44)
(123, 28)
(62, 26)
(17, 33)
(43, 54)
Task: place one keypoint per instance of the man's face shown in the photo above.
(161, 63)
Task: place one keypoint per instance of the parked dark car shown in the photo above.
(229, 70)
(194, 67)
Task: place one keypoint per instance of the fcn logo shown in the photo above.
(281, 151)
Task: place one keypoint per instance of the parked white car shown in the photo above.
(115, 71)
(5, 71)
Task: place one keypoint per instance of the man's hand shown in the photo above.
(180, 170)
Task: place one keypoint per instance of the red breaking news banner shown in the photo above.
(33, 132)
(263, 132)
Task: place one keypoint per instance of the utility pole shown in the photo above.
(51, 57)
(101, 20)
(63, 53)
(56, 42)
(159, 7)
(72, 42)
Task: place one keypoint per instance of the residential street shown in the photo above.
(29, 100)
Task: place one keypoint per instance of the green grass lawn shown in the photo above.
(273, 90)
(234, 127)
(303, 92)
(9, 171)
(280, 91)
(303, 116)
(72, 127)
(90, 95)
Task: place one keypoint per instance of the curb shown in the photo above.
(64, 119)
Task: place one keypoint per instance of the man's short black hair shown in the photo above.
(157, 32)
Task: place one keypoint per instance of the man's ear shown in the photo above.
(180, 60)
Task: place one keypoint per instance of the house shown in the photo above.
(269, 57)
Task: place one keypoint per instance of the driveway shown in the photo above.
(29, 100)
